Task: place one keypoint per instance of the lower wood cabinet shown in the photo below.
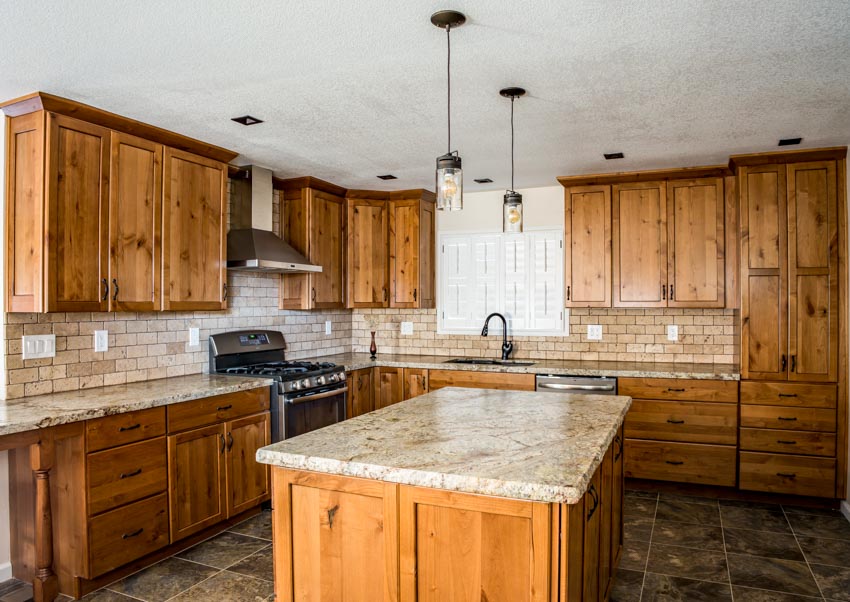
(247, 480)
(681, 462)
(415, 382)
(788, 474)
(389, 388)
(437, 379)
(361, 392)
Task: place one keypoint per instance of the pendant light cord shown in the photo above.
(512, 142)
(449, 86)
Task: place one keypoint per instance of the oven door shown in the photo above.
(305, 412)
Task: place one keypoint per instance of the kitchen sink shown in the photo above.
(487, 362)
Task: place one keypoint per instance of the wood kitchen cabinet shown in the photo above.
(361, 392)
(367, 258)
(389, 388)
(587, 240)
(415, 382)
(412, 249)
(247, 480)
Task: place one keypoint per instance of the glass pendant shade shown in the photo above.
(449, 184)
(512, 212)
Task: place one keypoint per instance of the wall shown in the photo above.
(5, 555)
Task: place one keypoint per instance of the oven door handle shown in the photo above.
(307, 398)
(565, 387)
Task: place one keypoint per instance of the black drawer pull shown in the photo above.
(675, 462)
(223, 408)
(781, 442)
(129, 428)
(133, 534)
(671, 421)
(675, 390)
(619, 443)
(595, 496)
(791, 419)
(788, 395)
(787, 475)
(127, 475)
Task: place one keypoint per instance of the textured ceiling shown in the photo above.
(350, 90)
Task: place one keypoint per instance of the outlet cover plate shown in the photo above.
(407, 328)
(672, 332)
(327, 326)
(594, 332)
(101, 341)
(38, 346)
(194, 337)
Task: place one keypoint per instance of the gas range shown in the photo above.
(293, 375)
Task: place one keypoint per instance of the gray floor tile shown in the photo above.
(256, 526)
(688, 563)
(754, 518)
(163, 580)
(688, 512)
(690, 499)
(812, 510)
(223, 550)
(20, 592)
(746, 594)
(753, 505)
(637, 528)
(641, 493)
(11, 585)
(634, 555)
(228, 586)
(811, 525)
(688, 535)
(666, 588)
(772, 574)
(834, 581)
(762, 543)
(627, 586)
(835, 552)
(639, 506)
(259, 565)
(105, 595)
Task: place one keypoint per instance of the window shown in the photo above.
(518, 275)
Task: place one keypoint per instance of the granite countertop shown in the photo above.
(540, 447)
(355, 361)
(42, 411)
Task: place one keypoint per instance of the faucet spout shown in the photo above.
(507, 346)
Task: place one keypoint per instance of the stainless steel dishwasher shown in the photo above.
(591, 385)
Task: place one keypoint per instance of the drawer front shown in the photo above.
(685, 421)
(787, 418)
(123, 535)
(789, 394)
(221, 408)
(720, 391)
(797, 475)
(437, 379)
(125, 474)
(121, 429)
(681, 462)
(807, 443)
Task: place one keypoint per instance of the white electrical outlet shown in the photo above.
(672, 332)
(194, 337)
(594, 332)
(327, 326)
(407, 328)
(39, 346)
(101, 340)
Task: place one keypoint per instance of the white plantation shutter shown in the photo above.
(486, 276)
(515, 305)
(456, 282)
(546, 249)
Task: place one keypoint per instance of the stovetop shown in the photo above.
(284, 370)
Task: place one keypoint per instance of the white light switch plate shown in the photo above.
(594, 332)
(39, 346)
(101, 340)
(672, 332)
(194, 337)
(407, 328)
(327, 326)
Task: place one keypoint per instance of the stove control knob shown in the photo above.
(333, 378)
(295, 385)
(305, 382)
(320, 380)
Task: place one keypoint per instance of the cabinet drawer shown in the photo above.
(120, 429)
(437, 379)
(789, 394)
(721, 391)
(778, 473)
(686, 421)
(807, 443)
(221, 408)
(125, 474)
(796, 419)
(123, 535)
(682, 462)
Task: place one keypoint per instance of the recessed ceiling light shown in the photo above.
(247, 120)
(609, 156)
(483, 181)
(388, 176)
(789, 141)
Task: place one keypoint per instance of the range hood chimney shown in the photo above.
(251, 244)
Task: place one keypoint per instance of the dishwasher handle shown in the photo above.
(573, 387)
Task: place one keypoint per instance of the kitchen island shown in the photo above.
(460, 494)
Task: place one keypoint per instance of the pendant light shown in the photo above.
(512, 207)
(449, 180)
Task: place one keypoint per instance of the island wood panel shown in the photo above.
(77, 212)
(593, 549)
(618, 494)
(606, 510)
(327, 231)
(125, 474)
(415, 382)
(587, 240)
(787, 474)
(25, 242)
(679, 389)
(791, 418)
(682, 462)
(696, 244)
(805, 443)
(502, 556)
(764, 272)
(361, 392)
(639, 235)
(687, 422)
(193, 232)
(437, 379)
(789, 394)
(247, 479)
(336, 538)
(367, 259)
(813, 271)
(389, 387)
(135, 224)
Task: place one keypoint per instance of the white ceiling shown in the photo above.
(350, 90)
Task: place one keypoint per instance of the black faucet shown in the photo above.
(507, 346)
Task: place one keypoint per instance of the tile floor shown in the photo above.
(677, 547)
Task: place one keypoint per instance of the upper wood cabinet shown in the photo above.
(789, 271)
(367, 259)
(314, 224)
(587, 239)
(412, 250)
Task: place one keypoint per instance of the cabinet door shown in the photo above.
(696, 243)
(135, 214)
(587, 240)
(813, 272)
(415, 382)
(327, 221)
(247, 479)
(367, 261)
(639, 234)
(295, 288)
(404, 253)
(427, 255)
(390, 387)
(592, 548)
(764, 315)
(193, 230)
(617, 499)
(606, 508)
(360, 398)
(78, 189)
(196, 480)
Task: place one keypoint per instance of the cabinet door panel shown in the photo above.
(640, 245)
(135, 214)
(765, 342)
(247, 479)
(78, 183)
(194, 202)
(415, 382)
(368, 253)
(360, 398)
(327, 220)
(592, 547)
(764, 216)
(404, 253)
(390, 387)
(427, 256)
(587, 239)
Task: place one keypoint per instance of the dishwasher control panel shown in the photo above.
(589, 385)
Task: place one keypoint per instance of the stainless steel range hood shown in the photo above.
(251, 244)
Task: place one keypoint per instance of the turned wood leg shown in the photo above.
(45, 585)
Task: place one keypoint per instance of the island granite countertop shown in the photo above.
(356, 361)
(53, 409)
(513, 444)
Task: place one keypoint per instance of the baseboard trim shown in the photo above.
(5, 571)
(845, 509)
